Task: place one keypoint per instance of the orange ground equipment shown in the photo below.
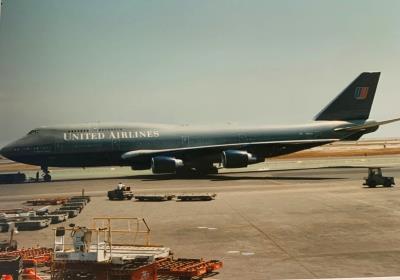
(119, 249)
(113, 248)
(187, 268)
(31, 257)
(31, 274)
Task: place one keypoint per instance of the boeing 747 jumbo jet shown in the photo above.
(174, 148)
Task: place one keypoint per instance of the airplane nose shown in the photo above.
(5, 151)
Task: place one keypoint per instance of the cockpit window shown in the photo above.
(35, 131)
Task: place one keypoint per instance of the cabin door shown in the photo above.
(185, 141)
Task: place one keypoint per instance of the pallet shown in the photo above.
(196, 197)
(154, 197)
(46, 201)
(34, 224)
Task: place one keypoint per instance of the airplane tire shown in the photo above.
(207, 170)
(47, 178)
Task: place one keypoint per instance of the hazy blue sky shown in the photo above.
(264, 62)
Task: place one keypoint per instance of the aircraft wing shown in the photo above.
(291, 145)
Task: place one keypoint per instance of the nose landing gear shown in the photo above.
(46, 174)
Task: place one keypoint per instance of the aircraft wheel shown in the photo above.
(47, 178)
(207, 170)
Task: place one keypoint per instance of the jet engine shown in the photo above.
(163, 164)
(237, 159)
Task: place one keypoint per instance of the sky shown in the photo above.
(191, 62)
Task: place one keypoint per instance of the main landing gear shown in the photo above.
(197, 171)
(46, 174)
(207, 170)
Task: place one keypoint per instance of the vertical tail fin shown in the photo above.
(354, 102)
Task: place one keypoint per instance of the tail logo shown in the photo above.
(361, 93)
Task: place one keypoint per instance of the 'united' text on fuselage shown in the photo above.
(111, 135)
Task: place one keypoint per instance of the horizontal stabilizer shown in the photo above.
(366, 126)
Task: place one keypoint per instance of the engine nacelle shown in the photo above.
(237, 159)
(162, 164)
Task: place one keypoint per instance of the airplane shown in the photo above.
(198, 149)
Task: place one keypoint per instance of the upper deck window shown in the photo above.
(78, 131)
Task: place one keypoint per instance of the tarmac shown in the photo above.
(263, 224)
